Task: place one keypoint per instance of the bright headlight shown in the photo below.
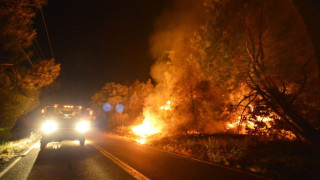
(49, 126)
(83, 126)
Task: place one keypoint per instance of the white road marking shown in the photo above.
(120, 163)
(17, 160)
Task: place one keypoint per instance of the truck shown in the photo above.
(65, 122)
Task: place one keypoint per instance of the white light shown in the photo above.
(49, 126)
(83, 126)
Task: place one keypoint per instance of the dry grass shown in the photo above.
(275, 159)
(11, 149)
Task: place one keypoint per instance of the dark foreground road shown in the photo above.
(107, 157)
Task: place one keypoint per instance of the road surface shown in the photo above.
(108, 157)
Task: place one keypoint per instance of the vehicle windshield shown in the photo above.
(62, 112)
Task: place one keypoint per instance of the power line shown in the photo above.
(36, 50)
(24, 52)
(6, 64)
(40, 50)
(45, 25)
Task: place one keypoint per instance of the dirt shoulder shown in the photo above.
(12, 149)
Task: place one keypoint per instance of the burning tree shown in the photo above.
(280, 75)
(234, 64)
(242, 54)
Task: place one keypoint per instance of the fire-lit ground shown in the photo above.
(269, 158)
(106, 157)
(234, 147)
(153, 124)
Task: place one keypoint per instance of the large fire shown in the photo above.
(150, 126)
(249, 124)
(242, 126)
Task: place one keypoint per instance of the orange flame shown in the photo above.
(251, 125)
(150, 126)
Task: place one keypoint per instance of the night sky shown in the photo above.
(97, 42)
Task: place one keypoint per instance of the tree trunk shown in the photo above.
(300, 124)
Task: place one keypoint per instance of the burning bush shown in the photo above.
(260, 120)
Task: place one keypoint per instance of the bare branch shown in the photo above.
(246, 97)
(305, 78)
(250, 101)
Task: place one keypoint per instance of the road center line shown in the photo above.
(17, 160)
(120, 163)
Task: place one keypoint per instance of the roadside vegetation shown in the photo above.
(10, 149)
(273, 159)
(234, 82)
(236, 67)
(23, 71)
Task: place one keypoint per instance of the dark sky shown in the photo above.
(97, 42)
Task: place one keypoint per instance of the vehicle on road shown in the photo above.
(65, 122)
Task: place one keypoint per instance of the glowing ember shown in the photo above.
(232, 125)
(249, 124)
(149, 126)
(192, 132)
(141, 141)
(167, 106)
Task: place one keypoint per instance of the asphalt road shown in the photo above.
(107, 157)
